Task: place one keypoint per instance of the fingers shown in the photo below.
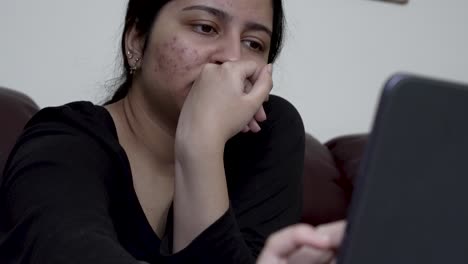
(254, 127)
(286, 241)
(260, 116)
(247, 86)
(257, 85)
(253, 77)
(334, 231)
(310, 255)
(262, 87)
(245, 68)
(257, 73)
(303, 244)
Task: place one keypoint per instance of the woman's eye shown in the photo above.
(205, 29)
(254, 45)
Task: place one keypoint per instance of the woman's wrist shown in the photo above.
(194, 148)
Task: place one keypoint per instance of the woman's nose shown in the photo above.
(228, 49)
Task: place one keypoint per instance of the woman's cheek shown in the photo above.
(176, 59)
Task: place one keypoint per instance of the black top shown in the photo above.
(67, 193)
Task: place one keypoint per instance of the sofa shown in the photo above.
(329, 169)
(15, 110)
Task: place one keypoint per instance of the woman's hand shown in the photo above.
(220, 105)
(260, 116)
(217, 107)
(304, 244)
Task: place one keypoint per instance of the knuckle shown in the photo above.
(228, 65)
(301, 229)
(209, 67)
(298, 231)
(253, 104)
(272, 239)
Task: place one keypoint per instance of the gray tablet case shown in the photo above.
(410, 203)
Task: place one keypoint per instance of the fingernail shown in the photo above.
(270, 68)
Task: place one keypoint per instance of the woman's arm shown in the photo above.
(264, 190)
(216, 109)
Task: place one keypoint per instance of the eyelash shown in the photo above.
(199, 29)
(260, 46)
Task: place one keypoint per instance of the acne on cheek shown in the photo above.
(175, 56)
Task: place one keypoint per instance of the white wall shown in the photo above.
(337, 56)
(59, 51)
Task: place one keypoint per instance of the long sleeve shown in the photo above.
(264, 175)
(55, 200)
(67, 198)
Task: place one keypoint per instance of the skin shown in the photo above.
(304, 244)
(201, 79)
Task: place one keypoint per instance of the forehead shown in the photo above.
(246, 10)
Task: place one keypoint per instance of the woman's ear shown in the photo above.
(134, 45)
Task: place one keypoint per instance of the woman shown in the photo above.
(184, 165)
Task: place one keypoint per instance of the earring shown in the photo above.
(129, 55)
(134, 68)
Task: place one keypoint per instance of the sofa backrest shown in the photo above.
(329, 173)
(15, 110)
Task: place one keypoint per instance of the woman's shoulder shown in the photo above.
(77, 114)
(282, 133)
(79, 133)
(77, 126)
(282, 114)
(81, 117)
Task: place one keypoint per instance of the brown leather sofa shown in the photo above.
(329, 169)
(15, 110)
(329, 172)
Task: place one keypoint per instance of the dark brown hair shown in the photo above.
(142, 14)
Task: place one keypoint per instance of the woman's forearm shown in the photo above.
(201, 195)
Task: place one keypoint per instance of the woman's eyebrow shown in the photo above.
(224, 16)
(220, 14)
(258, 27)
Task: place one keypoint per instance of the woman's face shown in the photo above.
(190, 33)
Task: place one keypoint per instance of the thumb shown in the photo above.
(262, 86)
(334, 231)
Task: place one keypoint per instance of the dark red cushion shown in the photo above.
(324, 198)
(348, 152)
(15, 111)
